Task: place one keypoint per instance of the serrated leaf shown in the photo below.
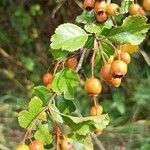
(56, 114)
(83, 126)
(43, 135)
(64, 82)
(133, 30)
(25, 117)
(69, 37)
(43, 93)
(86, 17)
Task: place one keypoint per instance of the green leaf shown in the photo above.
(86, 17)
(56, 114)
(98, 28)
(43, 93)
(42, 134)
(69, 37)
(64, 82)
(65, 106)
(133, 30)
(90, 42)
(83, 126)
(25, 117)
(58, 54)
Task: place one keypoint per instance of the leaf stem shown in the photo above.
(79, 66)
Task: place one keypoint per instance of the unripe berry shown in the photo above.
(105, 71)
(93, 86)
(36, 145)
(66, 144)
(96, 110)
(100, 6)
(136, 9)
(146, 5)
(118, 69)
(101, 16)
(72, 63)
(115, 82)
(88, 4)
(47, 78)
(112, 9)
(22, 147)
(125, 57)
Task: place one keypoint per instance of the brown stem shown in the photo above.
(56, 67)
(101, 51)
(57, 130)
(92, 62)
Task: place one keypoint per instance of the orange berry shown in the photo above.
(114, 82)
(136, 9)
(112, 9)
(96, 110)
(66, 144)
(36, 145)
(72, 63)
(125, 57)
(105, 71)
(93, 86)
(118, 69)
(47, 78)
(146, 5)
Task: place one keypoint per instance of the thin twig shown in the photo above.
(97, 141)
(79, 66)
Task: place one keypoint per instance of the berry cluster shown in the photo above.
(102, 9)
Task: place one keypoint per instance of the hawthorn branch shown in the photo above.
(2, 147)
(97, 141)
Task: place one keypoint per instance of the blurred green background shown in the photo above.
(25, 30)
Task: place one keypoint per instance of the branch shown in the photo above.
(97, 141)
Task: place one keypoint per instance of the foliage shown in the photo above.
(26, 51)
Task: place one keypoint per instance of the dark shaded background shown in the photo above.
(25, 30)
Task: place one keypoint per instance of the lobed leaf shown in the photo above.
(25, 117)
(69, 37)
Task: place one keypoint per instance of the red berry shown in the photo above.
(47, 78)
(101, 16)
(88, 4)
(36, 145)
(72, 63)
